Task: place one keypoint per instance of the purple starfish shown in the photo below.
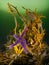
(20, 39)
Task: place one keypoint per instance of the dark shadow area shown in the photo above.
(46, 26)
(7, 25)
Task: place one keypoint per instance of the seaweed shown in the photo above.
(29, 38)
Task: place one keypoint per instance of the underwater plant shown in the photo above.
(27, 46)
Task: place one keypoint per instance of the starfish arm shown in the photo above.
(23, 43)
(24, 31)
(11, 46)
(15, 36)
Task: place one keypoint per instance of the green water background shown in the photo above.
(7, 20)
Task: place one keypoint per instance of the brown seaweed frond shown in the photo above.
(12, 12)
(35, 45)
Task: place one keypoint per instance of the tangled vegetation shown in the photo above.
(27, 45)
